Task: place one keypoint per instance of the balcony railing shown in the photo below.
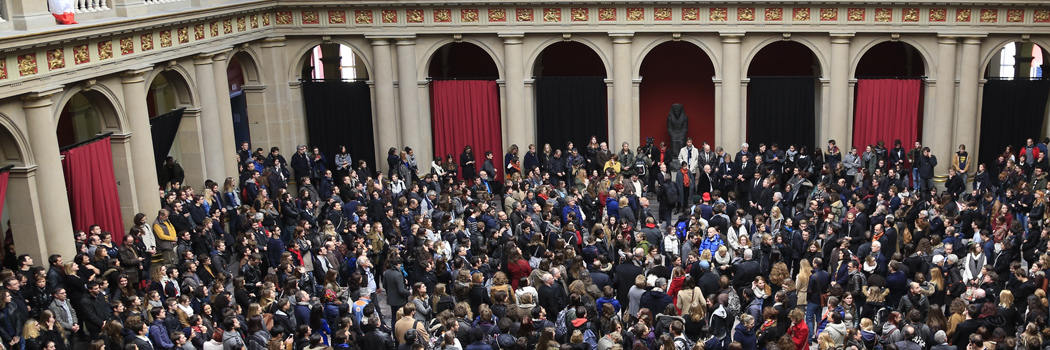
(87, 6)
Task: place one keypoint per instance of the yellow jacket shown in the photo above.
(160, 227)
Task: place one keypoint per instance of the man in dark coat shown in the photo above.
(396, 292)
(300, 163)
(964, 329)
(624, 279)
(746, 271)
(550, 297)
(96, 309)
(656, 299)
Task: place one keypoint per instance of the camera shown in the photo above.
(648, 141)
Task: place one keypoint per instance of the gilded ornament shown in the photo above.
(774, 14)
(266, 19)
(989, 15)
(127, 46)
(3, 67)
(1041, 16)
(363, 16)
(283, 18)
(336, 17)
(255, 20)
(56, 59)
(146, 41)
(443, 15)
(414, 16)
(883, 15)
(198, 32)
(800, 14)
(309, 17)
(242, 24)
(855, 14)
(184, 35)
(910, 15)
(227, 25)
(165, 38)
(27, 64)
(662, 14)
(552, 15)
(524, 15)
(746, 14)
(388, 16)
(607, 14)
(962, 15)
(81, 54)
(829, 14)
(469, 15)
(718, 14)
(579, 14)
(1015, 16)
(214, 29)
(497, 15)
(635, 14)
(105, 50)
(690, 14)
(938, 15)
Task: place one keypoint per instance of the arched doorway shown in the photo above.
(677, 72)
(96, 165)
(782, 96)
(465, 104)
(338, 104)
(571, 95)
(240, 72)
(1013, 107)
(889, 96)
(167, 99)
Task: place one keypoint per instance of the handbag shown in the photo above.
(534, 261)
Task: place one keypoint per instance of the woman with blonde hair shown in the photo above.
(825, 342)
(1007, 311)
(802, 281)
(777, 274)
(31, 335)
(939, 287)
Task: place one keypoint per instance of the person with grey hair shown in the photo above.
(551, 298)
(747, 270)
(941, 339)
(656, 299)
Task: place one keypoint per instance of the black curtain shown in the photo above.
(570, 109)
(340, 113)
(1012, 111)
(164, 128)
(781, 110)
(241, 131)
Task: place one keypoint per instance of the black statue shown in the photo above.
(677, 127)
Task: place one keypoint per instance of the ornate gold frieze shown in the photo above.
(800, 14)
(635, 14)
(607, 14)
(127, 46)
(165, 38)
(855, 14)
(497, 15)
(691, 14)
(242, 24)
(56, 59)
(718, 14)
(989, 15)
(442, 15)
(938, 15)
(962, 15)
(774, 14)
(745, 14)
(309, 17)
(363, 16)
(662, 14)
(469, 15)
(552, 15)
(829, 14)
(146, 41)
(883, 15)
(523, 14)
(1014, 15)
(579, 14)
(388, 16)
(1041, 16)
(105, 50)
(27, 64)
(81, 54)
(285, 17)
(910, 15)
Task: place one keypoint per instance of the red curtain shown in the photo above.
(467, 112)
(92, 188)
(4, 176)
(887, 110)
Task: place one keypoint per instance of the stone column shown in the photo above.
(330, 61)
(839, 117)
(969, 76)
(268, 128)
(211, 130)
(27, 223)
(730, 118)
(521, 128)
(51, 183)
(412, 134)
(145, 184)
(623, 125)
(222, 99)
(940, 141)
(385, 110)
(1023, 59)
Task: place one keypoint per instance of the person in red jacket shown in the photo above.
(799, 332)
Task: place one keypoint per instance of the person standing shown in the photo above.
(926, 162)
(962, 163)
(396, 292)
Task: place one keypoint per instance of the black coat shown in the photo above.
(550, 300)
(624, 279)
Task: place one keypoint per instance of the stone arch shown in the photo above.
(179, 78)
(300, 57)
(638, 60)
(14, 147)
(821, 58)
(986, 56)
(530, 64)
(248, 59)
(424, 66)
(927, 61)
(103, 100)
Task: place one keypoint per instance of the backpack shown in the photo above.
(683, 343)
(640, 168)
(445, 304)
(881, 315)
(671, 191)
(560, 326)
(734, 305)
(681, 230)
(489, 338)
(590, 338)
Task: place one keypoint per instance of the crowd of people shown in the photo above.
(765, 248)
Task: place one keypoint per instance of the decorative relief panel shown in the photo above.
(105, 50)
(635, 14)
(607, 14)
(146, 41)
(334, 17)
(910, 15)
(227, 24)
(662, 14)
(938, 15)
(497, 15)
(800, 14)
(989, 15)
(745, 14)
(284, 17)
(56, 59)
(883, 15)
(829, 14)
(962, 15)
(3, 67)
(443, 15)
(855, 14)
(242, 25)
(414, 16)
(165, 38)
(81, 54)
(214, 26)
(309, 17)
(1041, 16)
(198, 32)
(27, 64)
(469, 15)
(579, 14)
(363, 16)
(718, 14)
(1015, 15)
(266, 19)
(184, 35)
(388, 16)
(774, 14)
(690, 14)
(523, 15)
(255, 19)
(127, 46)
(552, 15)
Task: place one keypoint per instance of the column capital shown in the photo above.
(621, 37)
(947, 39)
(406, 41)
(389, 37)
(40, 98)
(842, 34)
(135, 75)
(972, 40)
(277, 41)
(202, 59)
(218, 55)
(511, 35)
(731, 37)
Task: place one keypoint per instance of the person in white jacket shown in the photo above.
(973, 264)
